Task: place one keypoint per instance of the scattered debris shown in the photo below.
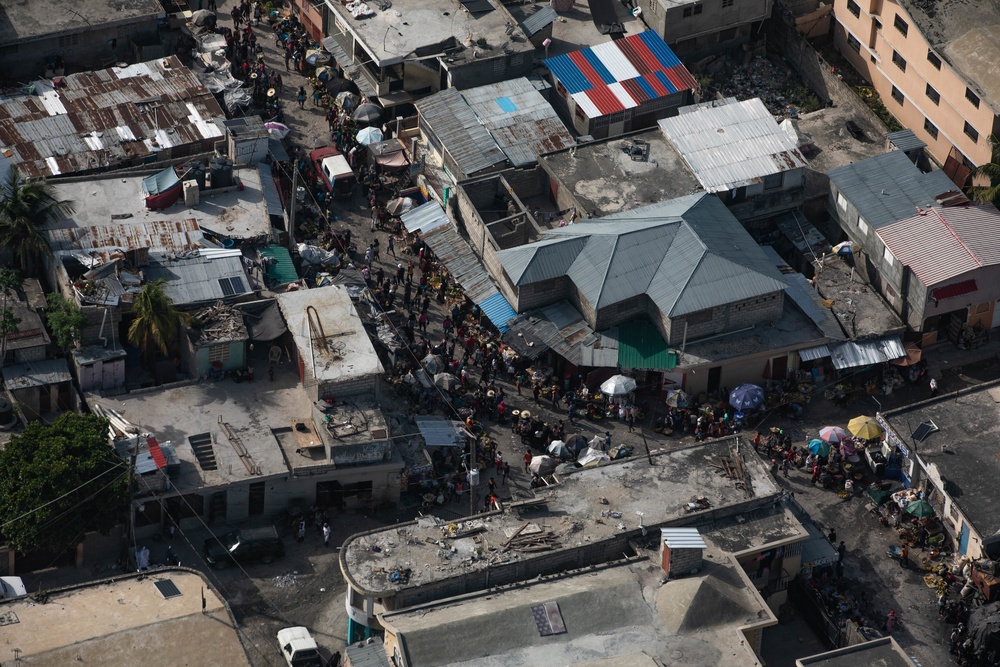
(286, 581)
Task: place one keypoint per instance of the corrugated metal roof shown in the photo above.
(943, 243)
(441, 432)
(158, 236)
(561, 328)
(733, 145)
(277, 150)
(498, 310)
(520, 120)
(425, 217)
(620, 74)
(814, 353)
(36, 374)
(888, 187)
(682, 538)
(852, 354)
(456, 254)
(351, 69)
(196, 280)
(107, 118)
(539, 20)
(687, 255)
(905, 140)
(282, 271)
(449, 118)
(367, 655)
(641, 346)
(270, 191)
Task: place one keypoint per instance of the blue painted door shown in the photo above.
(963, 540)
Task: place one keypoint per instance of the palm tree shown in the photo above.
(988, 172)
(156, 323)
(25, 209)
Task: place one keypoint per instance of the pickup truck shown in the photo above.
(299, 648)
(334, 171)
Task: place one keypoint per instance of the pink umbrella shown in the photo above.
(833, 434)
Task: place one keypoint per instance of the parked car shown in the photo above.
(299, 648)
(334, 171)
(244, 546)
(12, 587)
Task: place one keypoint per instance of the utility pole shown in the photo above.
(291, 208)
(473, 486)
(130, 509)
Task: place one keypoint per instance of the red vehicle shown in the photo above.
(334, 171)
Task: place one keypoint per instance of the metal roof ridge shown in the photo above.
(607, 269)
(694, 270)
(957, 237)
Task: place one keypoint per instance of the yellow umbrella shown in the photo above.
(865, 428)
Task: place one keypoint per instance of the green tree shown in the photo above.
(65, 321)
(987, 173)
(9, 281)
(155, 322)
(59, 481)
(25, 209)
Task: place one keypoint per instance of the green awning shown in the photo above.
(641, 346)
(282, 272)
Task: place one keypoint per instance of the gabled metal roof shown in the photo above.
(454, 123)
(733, 145)
(944, 243)
(889, 187)
(905, 140)
(425, 217)
(695, 257)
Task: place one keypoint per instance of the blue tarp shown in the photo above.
(159, 183)
(498, 311)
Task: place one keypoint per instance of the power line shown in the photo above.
(44, 505)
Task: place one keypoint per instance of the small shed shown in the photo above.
(41, 388)
(215, 341)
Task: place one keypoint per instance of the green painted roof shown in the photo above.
(641, 346)
(283, 272)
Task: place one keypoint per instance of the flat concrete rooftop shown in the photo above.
(347, 352)
(109, 201)
(125, 622)
(252, 410)
(623, 615)
(606, 180)
(860, 309)
(393, 35)
(573, 513)
(750, 531)
(28, 20)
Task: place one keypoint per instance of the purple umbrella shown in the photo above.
(833, 434)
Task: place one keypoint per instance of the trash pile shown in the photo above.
(781, 90)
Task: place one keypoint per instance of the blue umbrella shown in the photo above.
(746, 397)
(819, 448)
(317, 57)
(845, 248)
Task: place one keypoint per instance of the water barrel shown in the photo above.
(222, 172)
(194, 171)
(6, 411)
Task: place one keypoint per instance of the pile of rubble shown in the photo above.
(217, 324)
(781, 90)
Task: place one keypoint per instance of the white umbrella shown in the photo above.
(277, 130)
(399, 206)
(543, 465)
(433, 364)
(618, 385)
(446, 381)
(369, 135)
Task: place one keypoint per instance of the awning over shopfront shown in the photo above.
(441, 432)
(455, 253)
(853, 354)
(817, 550)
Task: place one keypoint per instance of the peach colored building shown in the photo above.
(936, 66)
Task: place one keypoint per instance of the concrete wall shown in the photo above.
(715, 24)
(728, 317)
(80, 50)
(872, 56)
(640, 117)
(198, 362)
(102, 374)
(736, 371)
(26, 354)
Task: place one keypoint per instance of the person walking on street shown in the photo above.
(301, 97)
(904, 557)
(934, 388)
(505, 473)
(527, 460)
(890, 621)
(391, 246)
(300, 535)
(326, 534)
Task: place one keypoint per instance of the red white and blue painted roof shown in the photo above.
(620, 74)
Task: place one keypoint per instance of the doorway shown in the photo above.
(255, 502)
(714, 379)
